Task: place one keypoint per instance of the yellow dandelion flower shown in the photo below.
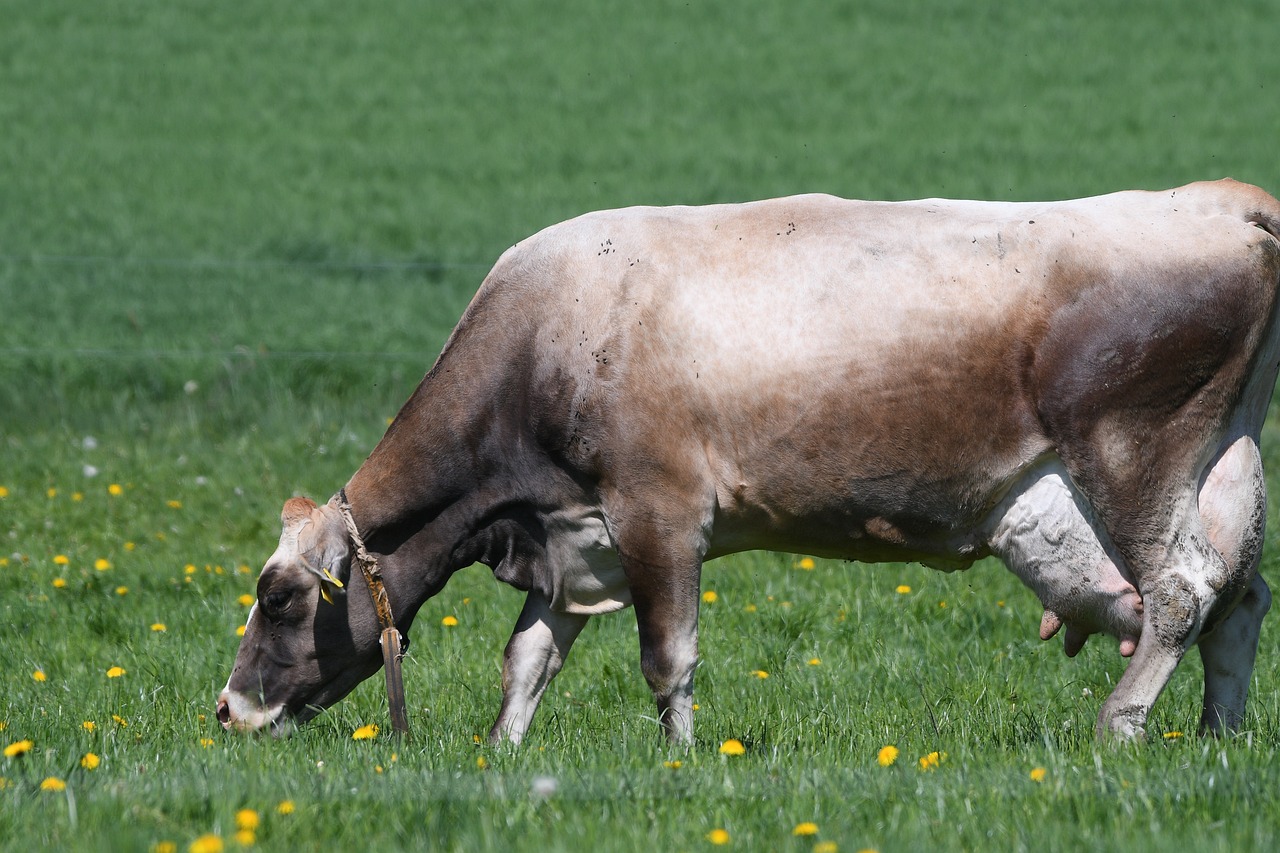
(1000, 603)
(114, 490)
(760, 673)
(61, 559)
(247, 819)
(77, 496)
(449, 621)
(189, 569)
(732, 746)
(710, 597)
(942, 604)
(122, 590)
(285, 807)
(53, 783)
(102, 564)
(718, 836)
(209, 843)
(815, 662)
(1172, 735)
(903, 589)
(673, 765)
(20, 747)
(481, 763)
(240, 630)
(365, 732)
(830, 847)
(805, 564)
(1038, 774)
(887, 755)
(806, 828)
(246, 837)
(932, 761)
(158, 626)
(4, 493)
(246, 600)
(39, 675)
(751, 608)
(174, 504)
(90, 761)
(52, 493)
(59, 583)
(89, 726)
(120, 721)
(129, 546)
(164, 847)
(116, 672)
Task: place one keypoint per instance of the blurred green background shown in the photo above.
(233, 237)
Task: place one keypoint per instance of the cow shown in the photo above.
(1075, 387)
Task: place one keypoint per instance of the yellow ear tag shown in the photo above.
(331, 579)
(324, 593)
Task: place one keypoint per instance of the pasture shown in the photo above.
(232, 239)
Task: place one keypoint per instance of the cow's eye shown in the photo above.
(274, 603)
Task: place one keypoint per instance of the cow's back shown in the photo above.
(813, 367)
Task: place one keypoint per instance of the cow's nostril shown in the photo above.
(224, 712)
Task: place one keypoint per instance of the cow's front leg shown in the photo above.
(535, 653)
(665, 596)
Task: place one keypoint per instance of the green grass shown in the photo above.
(233, 238)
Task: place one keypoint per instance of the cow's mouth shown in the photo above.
(239, 713)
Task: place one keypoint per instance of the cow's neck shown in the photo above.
(421, 496)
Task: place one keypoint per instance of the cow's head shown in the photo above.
(307, 643)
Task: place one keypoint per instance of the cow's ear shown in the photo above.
(325, 551)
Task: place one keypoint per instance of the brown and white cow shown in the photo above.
(1075, 387)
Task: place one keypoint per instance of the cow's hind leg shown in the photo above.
(1198, 578)
(535, 653)
(1233, 507)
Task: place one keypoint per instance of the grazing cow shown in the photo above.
(1075, 387)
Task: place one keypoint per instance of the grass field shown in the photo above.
(233, 237)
